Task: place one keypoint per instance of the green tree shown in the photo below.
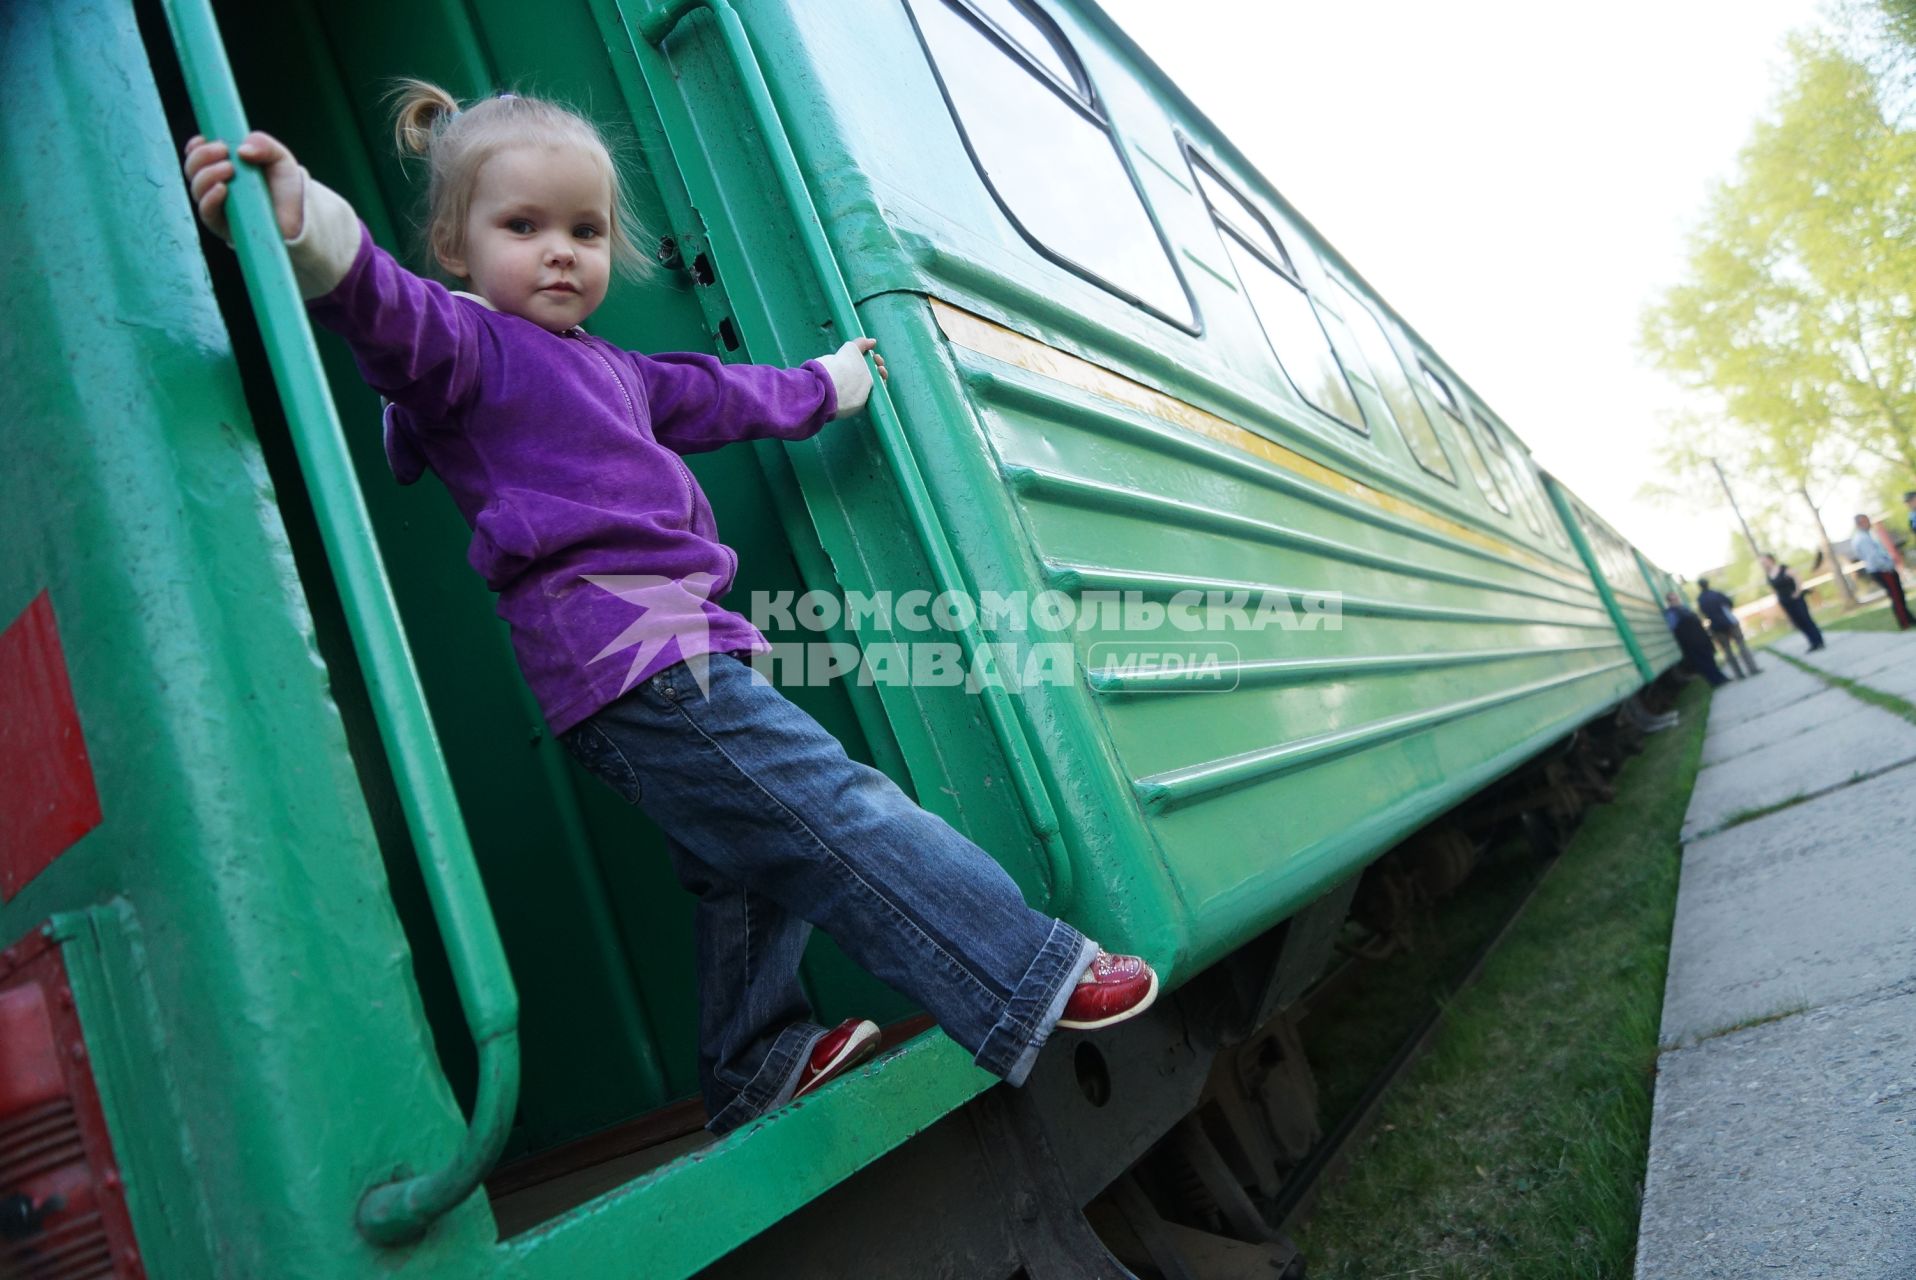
(1900, 15)
(1797, 314)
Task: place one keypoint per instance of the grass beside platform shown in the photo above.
(1516, 1148)
(1871, 617)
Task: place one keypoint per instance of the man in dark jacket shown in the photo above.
(1692, 639)
(1727, 631)
(1795, 607)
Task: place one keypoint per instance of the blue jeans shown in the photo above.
(775, 829)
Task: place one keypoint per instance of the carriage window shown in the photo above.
(1230, 208)
(1473, 452)
(1537, 513)
(1023, 105)
(1393, 384)
(1552, 525)
(1290, 320)
(1529, 487)
(1604, 545)
(1035, 42)
(1500, 466)
(1627, 574)
(1611, 553)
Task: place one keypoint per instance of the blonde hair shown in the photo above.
(456, 141)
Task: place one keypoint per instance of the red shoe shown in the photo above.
(1112, 989)
(839, 1050)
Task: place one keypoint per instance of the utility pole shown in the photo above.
(1724, 480)
(1829, 551)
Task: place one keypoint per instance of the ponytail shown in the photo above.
(420, 110)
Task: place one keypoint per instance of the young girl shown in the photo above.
(562, 451)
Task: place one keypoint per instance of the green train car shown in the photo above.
(321, 957)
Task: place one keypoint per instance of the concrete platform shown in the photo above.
(1730, 738)
(1778, 686)
(1858, 654)
(1804, 907)
(1783, 1138)
(1787, 1149)
(1841, 750)
(1898, 677)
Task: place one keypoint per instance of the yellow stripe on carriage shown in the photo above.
(987, 337)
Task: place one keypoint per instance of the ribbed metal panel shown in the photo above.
(1460, 642)
(34, 1143)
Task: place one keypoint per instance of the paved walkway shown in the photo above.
(1784, 1142)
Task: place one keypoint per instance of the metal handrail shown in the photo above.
(653, 28)
(398, 1211)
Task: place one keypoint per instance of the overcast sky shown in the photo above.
(1516, 178)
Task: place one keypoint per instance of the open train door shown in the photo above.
(232, 836)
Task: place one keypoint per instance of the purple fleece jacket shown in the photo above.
(562, 451)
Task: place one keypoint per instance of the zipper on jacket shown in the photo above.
(632, 410)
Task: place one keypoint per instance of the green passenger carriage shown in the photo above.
(296, 964)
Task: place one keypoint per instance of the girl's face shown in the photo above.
(539, 234)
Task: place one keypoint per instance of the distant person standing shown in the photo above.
(1724, 628)
(1892, 543)
(1877, 564)
(1692, 639)
(1909, 505)
(1795, 607)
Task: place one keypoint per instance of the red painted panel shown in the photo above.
(47, 796)
(31, 1074)
(61, 1190)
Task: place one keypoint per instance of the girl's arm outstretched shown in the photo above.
(414, 342)
(698, 402)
